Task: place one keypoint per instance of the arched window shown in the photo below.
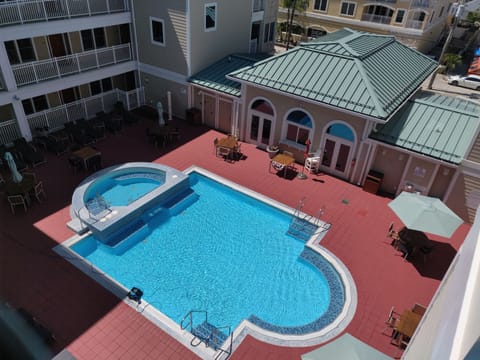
(262, 106)
(299, 125)
(341, 131)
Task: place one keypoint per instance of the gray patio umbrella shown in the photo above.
(161, 120)
(346, 347)
(424, 213)
(16, 176)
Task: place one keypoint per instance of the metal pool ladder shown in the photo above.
(304, 226)
(196, 321)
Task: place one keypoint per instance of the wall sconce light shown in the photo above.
(16, 98)
(146, 80)
(400, 157)
(384, 152)
(446, 172)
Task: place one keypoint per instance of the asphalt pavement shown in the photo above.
(441, 85)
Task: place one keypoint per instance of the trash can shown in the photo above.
(194, 116)
(373, 181)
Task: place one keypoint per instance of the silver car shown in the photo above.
(469, 81)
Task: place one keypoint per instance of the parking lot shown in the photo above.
(440, 84)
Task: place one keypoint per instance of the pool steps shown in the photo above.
(136, 231)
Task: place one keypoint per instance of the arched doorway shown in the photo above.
(338, 147)
(260, 124)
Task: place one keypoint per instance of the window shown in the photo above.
(35, 104)
(20, 51)
(269, 32)
(320, 5)
(347, 8)
(400, 16)
(93, 39)
(441, 12)
(299, 125)
(210, 17)
(157, 31)
(100, 86)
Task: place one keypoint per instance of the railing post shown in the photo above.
(44, 11)
(58, 69)
(78, 62)
(19, 13)
(96, 58)
(68, 9)
(88, 8)
(114, 50)
(108, 6)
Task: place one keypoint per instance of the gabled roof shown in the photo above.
(365, 73)
(432, 124)
(214, 76)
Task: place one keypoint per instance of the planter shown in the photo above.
(272, 151)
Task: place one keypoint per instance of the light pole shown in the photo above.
(458, 13)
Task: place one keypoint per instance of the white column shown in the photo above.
(9, 79)
(169, 102)
(21, 119)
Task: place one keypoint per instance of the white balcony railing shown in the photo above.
(376, 18)
(419, 4)
(9, 131)
(27, 11)
(54, 68)
(86, 108)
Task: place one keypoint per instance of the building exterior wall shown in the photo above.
(421, 36)
(232, 33)
(173, 55)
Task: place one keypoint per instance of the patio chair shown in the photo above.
(38, 190)
(393, 235)
(16, 200)
(28, 152)
(223, 152)
(312, 164)
(391, 322)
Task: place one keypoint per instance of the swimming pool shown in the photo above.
(223, 251)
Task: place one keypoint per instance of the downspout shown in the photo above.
(134, 30)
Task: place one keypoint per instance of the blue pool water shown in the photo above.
(221, 251)
(123, 190)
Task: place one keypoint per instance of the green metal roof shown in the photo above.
(213, 77)
(361, 72)
(431, 124)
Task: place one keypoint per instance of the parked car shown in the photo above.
(469, 81)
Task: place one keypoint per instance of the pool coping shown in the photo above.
(246, 327)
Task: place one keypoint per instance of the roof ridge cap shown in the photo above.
(368, 84)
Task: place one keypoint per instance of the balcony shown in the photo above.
(419, 4)
(414, 24)
(9, 131)
(85, 108)
(55, 68)
(24, 12)
(379, 19)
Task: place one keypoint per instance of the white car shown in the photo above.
(469, 81)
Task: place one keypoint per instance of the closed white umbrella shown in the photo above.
(16, 176)
(161, 120)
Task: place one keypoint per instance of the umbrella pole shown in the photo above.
(302, 175)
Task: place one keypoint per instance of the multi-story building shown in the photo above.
(420, 24)
(68, 59)
(63, 60)
(180, 38)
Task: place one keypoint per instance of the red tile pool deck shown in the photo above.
(91, 323)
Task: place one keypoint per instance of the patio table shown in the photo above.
(229, 143)
(281, 161)
(406, 325)
(86, 153)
